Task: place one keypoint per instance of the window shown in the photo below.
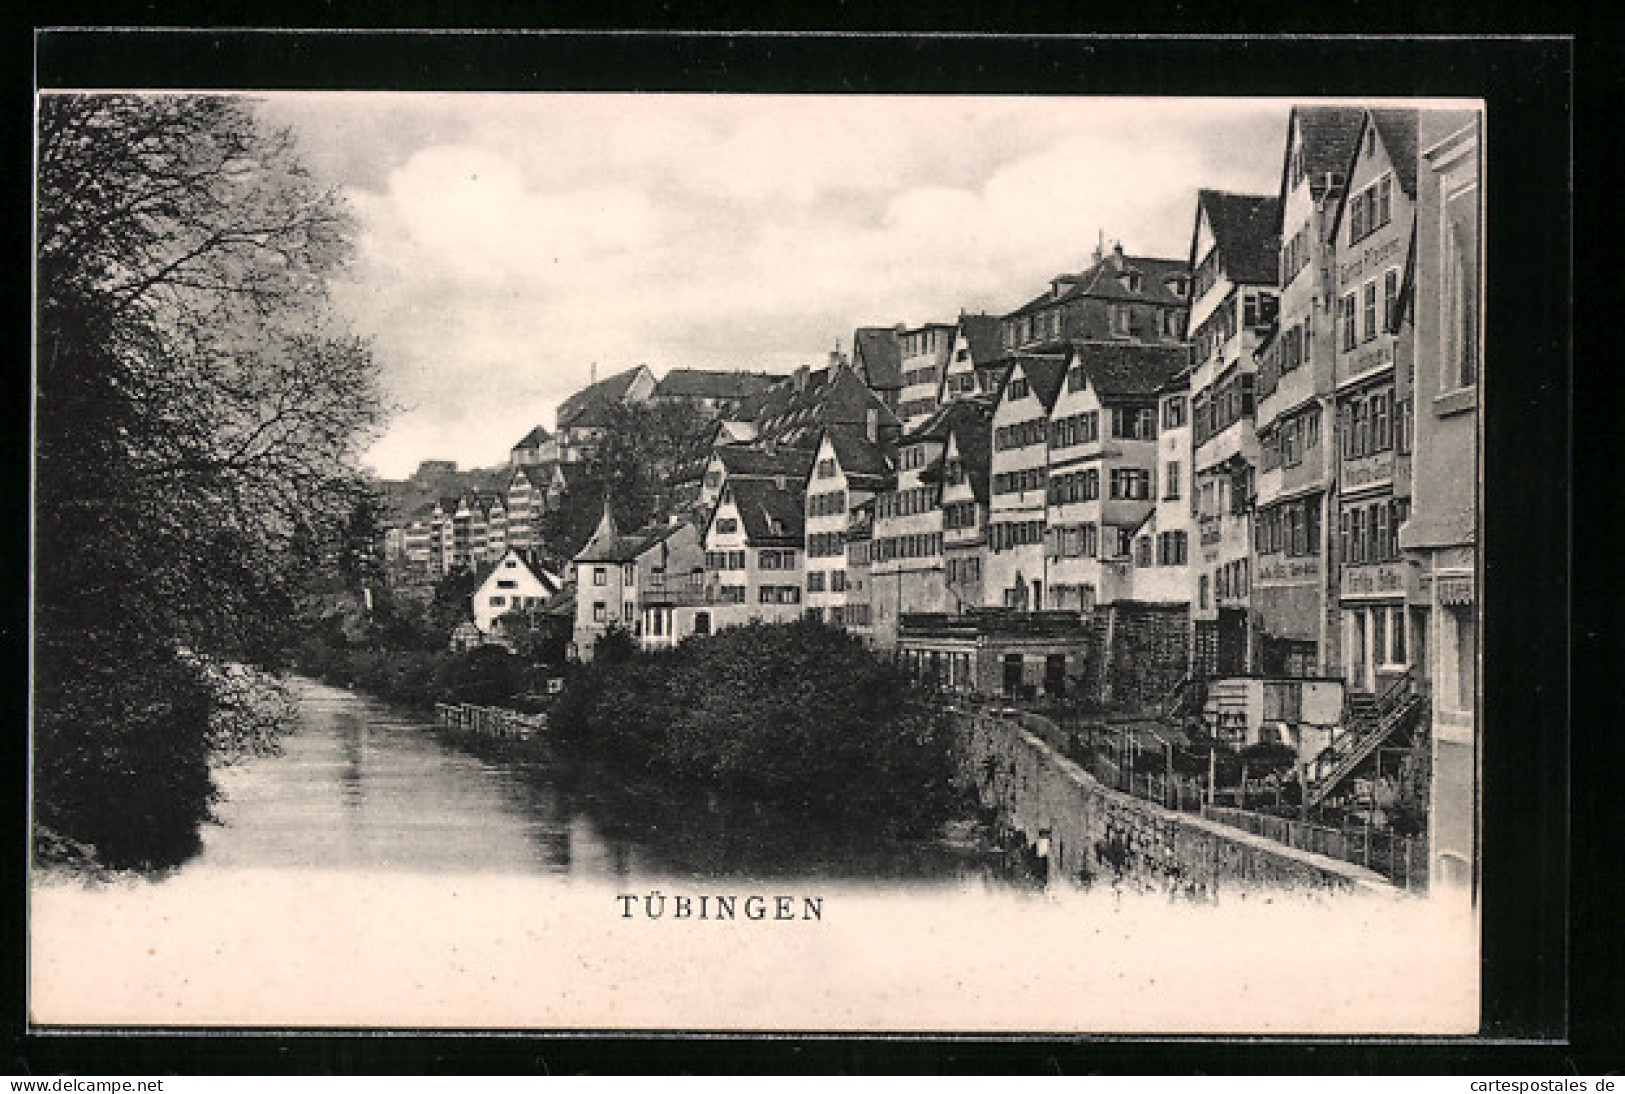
(1385, 193)
(507, 584)
(598, 612)
(1018, 388)
(1142, 552)
(1174, 411)
(498, 601)
(600, 576)
(1390, 300)
(1131, 484)
(837, 581)
(627, 611)
(1369, 295)
(1346, 321)
(1460, 313)
(1201, 591)
(1120, 320)
(815, 581)
(1170, 480)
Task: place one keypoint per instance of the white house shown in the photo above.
(518, 581)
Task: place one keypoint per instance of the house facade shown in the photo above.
(925, 352)
(1440, 539)
(1372, 235)
(754, 547)
(1294, 594)
(976, 364)
(965, 499)
(516, 582)
(1162, 544)
(1014, 573)
(1102, 469)
(1119, 297)
(615, 573)
(847, 471)
(1234, 253)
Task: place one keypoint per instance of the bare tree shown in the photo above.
(198, 411)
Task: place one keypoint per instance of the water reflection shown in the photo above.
(361, 785)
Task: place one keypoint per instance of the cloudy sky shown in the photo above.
(509, 242)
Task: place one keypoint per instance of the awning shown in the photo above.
(1454, 592)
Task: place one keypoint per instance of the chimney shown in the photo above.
(1100, 247)
(799, 378)
(871, 425)
(1117, 255)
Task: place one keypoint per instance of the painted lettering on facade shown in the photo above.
(1368, 471)
(1288, 571)
(1373, 258)
(1373, 579)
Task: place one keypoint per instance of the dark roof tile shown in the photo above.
(1246, 231)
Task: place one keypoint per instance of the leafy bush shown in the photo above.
(799, 714)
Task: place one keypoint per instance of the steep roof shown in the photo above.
(881, 353)
(771, 517)
(1328, 137)
(607, 545)
(970, 423)
(535, 438)
(982, 335)
(858, 456)
(1398, 130)
(1045, 374)
(1128, 368)
(611, 389)
(741, 461)
(796, 409)
(532, 563)
(1107, 280)
(698, 383)
(1246, 232)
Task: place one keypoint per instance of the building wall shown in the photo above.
(1006, 564)
(508, 587)
(1441, 537)
(606, 597)
(901, 585)
(925, 355)
(1369, 264)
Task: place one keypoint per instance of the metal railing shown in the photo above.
(1400, 859)
(489, 721)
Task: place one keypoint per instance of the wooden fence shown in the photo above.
(496, 722)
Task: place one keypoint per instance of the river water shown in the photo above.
(380, 874)
(363, 785)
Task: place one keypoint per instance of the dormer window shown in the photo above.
(1135, 281)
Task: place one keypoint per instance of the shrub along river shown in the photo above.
(365, 785)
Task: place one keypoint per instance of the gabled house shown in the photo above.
(515, 582)
(615, 574)
(536, 447)
(583, 417)
(1235, 251)
(1014, 573)
(780, 466)
(533, 490)
(1373, 233)
(1102, 469)
(1127, 297)
(965, 495)
(976, 362)
(925, 352)
(753, 552)
(847, 471)
(907, 574)
(1294, 581)
(1163, 542)
(877, 360)
(795, 411)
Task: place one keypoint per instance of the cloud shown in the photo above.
(509, 243)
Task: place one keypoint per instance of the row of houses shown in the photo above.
(1254, 462)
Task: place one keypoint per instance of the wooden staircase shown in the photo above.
(1370, 720)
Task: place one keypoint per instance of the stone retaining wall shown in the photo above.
(1098, 834)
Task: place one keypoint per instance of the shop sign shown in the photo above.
(1369, 470)
(1369, 579)
(1288, 570)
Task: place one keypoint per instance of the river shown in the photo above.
(364, 785)
(379, 874)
